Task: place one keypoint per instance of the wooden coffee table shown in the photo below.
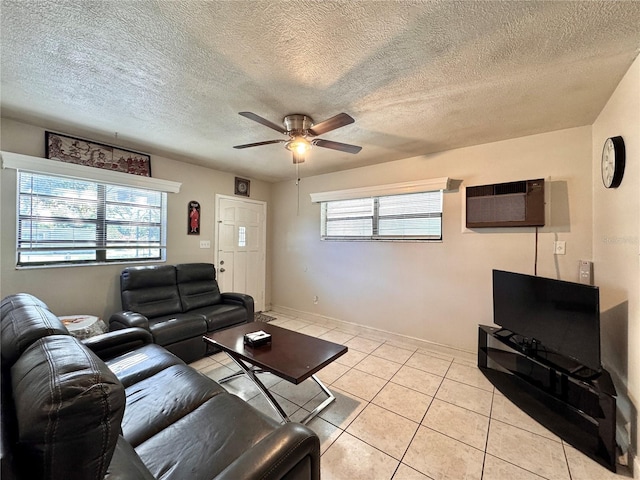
(291, 356)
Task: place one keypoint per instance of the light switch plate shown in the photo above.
(205, 243)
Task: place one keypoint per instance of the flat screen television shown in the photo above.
(558, 320)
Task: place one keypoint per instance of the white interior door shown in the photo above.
(241, 247)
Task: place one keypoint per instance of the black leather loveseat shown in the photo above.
(178, 304)
(118, 407)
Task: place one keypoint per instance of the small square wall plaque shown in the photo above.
(242, 186)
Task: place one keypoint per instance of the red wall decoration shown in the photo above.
(193, 218)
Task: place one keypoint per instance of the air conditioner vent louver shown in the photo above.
(513, 187)
(480, 191)
(513, 204)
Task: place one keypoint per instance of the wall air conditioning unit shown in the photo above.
(513, 204)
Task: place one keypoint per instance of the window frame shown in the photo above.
(375, 221)
(101, 242)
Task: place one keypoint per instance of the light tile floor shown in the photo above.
(411, 411)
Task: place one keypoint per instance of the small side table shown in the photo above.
(83, 326)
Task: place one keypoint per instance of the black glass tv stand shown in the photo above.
(533, 349)
(578, 406)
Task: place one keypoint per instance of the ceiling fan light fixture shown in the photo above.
(297, 157)
(299, 145)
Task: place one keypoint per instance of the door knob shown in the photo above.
(222, 270)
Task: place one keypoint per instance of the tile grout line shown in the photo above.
(566, 459)
(419, 424)
(486, 442)
(367, 403)
(422, 420)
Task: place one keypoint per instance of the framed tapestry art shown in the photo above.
(92, 154)
(193, 221)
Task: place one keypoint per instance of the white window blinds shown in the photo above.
(415, 216)
(63, 220)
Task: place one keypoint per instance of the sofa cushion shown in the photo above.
(197, 285)
(151, 291)
(141, 363)
(173, 328)
(189, 350)
(154, 403)
(18, 300)
(221, 316)
(69, 406)
(24, 325)
(232, 427)
(126, 464)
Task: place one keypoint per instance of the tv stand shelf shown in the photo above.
(580, 410)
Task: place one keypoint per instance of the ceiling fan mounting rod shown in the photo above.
(297, 123)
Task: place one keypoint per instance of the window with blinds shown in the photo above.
(415, 216)
(63, 220)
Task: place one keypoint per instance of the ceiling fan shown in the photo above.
(300, 128)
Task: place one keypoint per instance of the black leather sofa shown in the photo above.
(117, 407)
(178, 304)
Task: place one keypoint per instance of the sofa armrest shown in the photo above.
(292, 452)
(241, 299)
(112, 344)
(127, 319)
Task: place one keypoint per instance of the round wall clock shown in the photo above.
(612, 163)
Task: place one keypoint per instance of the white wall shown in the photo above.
(616, 233)
(434, 291)
(95, 289)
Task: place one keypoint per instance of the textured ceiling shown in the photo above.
(418, 76)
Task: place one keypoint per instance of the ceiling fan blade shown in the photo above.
(332, 123)
(247, 145)
(343, 147)
(263, 121)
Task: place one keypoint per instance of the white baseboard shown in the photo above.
(364, 329)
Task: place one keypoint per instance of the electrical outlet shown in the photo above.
(559, 247)
(205, 244)
(315, 300)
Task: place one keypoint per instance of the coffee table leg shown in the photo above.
(252, 375)
(323, 405)
(231, 377)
